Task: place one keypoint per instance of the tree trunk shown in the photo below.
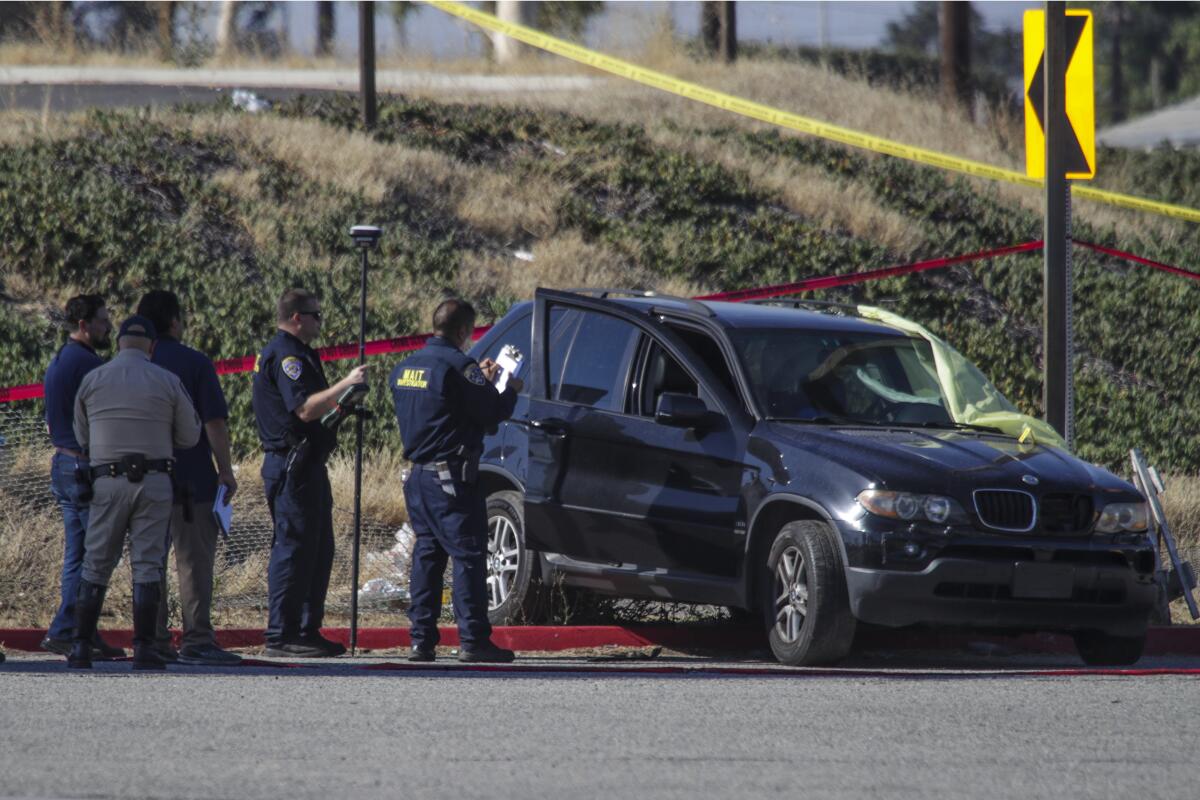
(955, 27)
(227, 29)
(509, 50)
(718, 29)
(727, 49)
(326, 27)
(1116, 86)
(710, 27)
(166, 29)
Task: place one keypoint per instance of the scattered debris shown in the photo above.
(248, 101)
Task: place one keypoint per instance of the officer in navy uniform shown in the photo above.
(445, 403)
(290, 396)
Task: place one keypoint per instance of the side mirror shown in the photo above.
(681, 410)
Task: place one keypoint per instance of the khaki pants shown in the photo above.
(144, 510)
(195, 546)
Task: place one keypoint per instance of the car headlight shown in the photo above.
(1117, 517)
(908, 506)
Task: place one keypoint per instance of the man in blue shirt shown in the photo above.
(90, 328)
(445, 403)
(193, 527)
(290, 397)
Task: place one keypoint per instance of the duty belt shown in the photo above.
(118, 468)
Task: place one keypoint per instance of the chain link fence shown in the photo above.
(31, 536)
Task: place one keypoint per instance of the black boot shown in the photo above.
(145, 622)
(88, 602)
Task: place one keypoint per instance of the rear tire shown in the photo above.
(806, 604)
(516, 595)
(1104, 650)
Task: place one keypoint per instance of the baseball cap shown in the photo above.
(137, 325)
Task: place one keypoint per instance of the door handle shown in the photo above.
(551, 426)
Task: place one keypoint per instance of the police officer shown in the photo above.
(445, 402)
(290, 397)
(193, 527)
(129, 416)
(89, 325)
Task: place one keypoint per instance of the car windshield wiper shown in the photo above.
(957, 426)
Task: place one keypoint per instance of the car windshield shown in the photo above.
(832, 376)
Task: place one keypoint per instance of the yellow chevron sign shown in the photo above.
(1080, 94)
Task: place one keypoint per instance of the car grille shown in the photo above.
(1005, 509)
(1066, 513)
(1015, 510)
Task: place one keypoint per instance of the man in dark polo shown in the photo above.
(193, 527)
(89, 329)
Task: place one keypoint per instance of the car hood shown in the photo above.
(908, 459)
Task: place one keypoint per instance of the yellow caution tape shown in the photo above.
(786, 119)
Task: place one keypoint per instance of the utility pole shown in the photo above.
(1058, 395)
(366, 61)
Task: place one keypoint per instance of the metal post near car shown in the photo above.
(365, 237)
(1057, 369)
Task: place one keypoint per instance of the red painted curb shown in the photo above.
(1180, 640)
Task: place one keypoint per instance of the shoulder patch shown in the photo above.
(292, 367)
(474, 374)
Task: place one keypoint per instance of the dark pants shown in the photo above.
(454, 527)
(301, 505)
(75, 519)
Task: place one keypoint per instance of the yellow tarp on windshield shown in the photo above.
(970, 397)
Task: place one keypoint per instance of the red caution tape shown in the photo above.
(30, 391)
(1108, 251)
(830, 281)
(405, 344)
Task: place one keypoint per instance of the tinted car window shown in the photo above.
(598, 362)
(563, 324)
(660, 372)
(710, 353)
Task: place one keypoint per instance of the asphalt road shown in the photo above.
(344, 732)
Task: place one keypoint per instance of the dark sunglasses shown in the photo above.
(314, 314)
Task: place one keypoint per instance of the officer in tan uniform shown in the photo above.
(129, 417)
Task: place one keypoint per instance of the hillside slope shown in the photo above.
(625, 187)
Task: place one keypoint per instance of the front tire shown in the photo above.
(1104, 650)
(807, 607)
(516, 595)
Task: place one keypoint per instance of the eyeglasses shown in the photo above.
(314, 314)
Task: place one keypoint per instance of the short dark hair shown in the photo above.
(82, 308)
(451, 315)
(292, 301)
(160, 307)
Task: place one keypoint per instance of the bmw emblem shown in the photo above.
(1029, 479)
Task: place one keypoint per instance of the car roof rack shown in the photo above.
(604, 294)
(849, 309)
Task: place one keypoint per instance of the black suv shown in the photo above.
(798, 465)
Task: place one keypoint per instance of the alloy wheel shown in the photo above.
(503, 559)
(791, 595)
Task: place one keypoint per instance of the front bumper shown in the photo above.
(1011, 595)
